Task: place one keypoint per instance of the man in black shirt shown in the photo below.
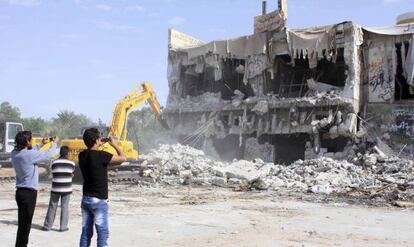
(93, 164)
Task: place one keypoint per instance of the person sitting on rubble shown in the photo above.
(62, 172)
(93, 164)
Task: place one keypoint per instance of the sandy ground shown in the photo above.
(184, 216)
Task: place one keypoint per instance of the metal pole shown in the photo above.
(264, 7)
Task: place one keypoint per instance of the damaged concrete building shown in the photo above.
(283, 94)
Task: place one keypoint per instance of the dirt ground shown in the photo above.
(187, 216)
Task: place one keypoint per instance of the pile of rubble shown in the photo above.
(370, 175)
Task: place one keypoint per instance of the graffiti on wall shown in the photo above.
(404, 122)
(269, 22)
(255, 65)
(380, 78)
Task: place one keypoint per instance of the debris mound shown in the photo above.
(371, 176)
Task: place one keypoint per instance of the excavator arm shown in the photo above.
(137, 97)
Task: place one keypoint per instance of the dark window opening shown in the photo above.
(229, 147)
(236, 121)
(189, 82)
(233, 80)
(335, 145)
(289, 148)
(196, 84)
(291, 81)
(402, 89)
(332, 73)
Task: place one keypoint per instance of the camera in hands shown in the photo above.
(105, 139)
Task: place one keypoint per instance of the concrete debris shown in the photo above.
(371, 175)
(214, 101)
(240, 69)
(320, 86)
(261, 107)
(325, 189)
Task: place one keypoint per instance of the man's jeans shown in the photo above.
(94, 211)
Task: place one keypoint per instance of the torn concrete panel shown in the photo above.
(261, 107)
(352, 40)
(385, 52)
(320, 86)
(178, 40)
(273, 21)
(257, 85)
(409, 63)
(349, 126)
(381, 70)
(255, 65)
(315, 43)
(279, 44)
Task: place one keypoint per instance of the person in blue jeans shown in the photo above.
(93, 164)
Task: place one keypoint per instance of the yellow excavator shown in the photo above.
(118, 128)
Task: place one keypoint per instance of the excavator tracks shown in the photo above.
(7, 179)
(6, 173)
(129, 173)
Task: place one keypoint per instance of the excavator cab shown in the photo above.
(8, 131)
(104, 130)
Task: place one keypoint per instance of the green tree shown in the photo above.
(37, 125)
(145, 131)
(68, 124)
(9, 112)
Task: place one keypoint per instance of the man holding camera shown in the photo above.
(93, 164)
(25, 159)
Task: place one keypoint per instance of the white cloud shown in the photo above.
(154, 14)
(25, 3)
(104, 7)
(106, 25)
(126, 8)
(175, 21)
(83, 2)
(134, 7)
(392, 1)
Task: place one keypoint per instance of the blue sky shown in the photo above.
(84, 55)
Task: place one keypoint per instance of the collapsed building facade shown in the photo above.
(283, 94)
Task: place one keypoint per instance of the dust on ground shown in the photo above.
(213, 216)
